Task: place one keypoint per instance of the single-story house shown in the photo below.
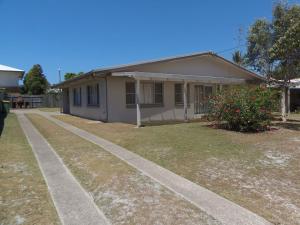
(175, 88)
(9, 78)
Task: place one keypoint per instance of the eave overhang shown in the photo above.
(180, 77)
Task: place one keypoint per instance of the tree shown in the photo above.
(238, 58)
(286, 47)
(35, 81)
(284, 17)
(69, 75)
(286, 51)
(72, 75)
(273, 47)
(259, 42)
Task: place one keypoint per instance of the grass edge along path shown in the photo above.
(24, 194)
(124, 194)
(224, 210)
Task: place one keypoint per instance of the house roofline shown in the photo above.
(140, 63)
(167, 59)
(4, 68)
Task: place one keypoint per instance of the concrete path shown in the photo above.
(225, 211)
(72, 202)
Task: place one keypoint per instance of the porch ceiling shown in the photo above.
(179, 77)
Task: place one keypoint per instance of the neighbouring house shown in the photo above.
(295, 95)
(175, 88)
(9, 78)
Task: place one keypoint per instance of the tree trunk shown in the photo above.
(283, 104)
(288, 100)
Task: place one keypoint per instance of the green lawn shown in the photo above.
(258, 171)
(124, 194)
(24, 197)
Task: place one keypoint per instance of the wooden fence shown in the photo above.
(35, 101)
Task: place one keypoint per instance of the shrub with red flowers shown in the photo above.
(244, 108)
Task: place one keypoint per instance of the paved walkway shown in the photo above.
(72, 202)
(218, 207)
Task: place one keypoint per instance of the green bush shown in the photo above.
(244, 108)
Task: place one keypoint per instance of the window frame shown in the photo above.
(155, 94)
(161, 93)
(130, 93)
(182, 90)
(77, 99)
(96, 91)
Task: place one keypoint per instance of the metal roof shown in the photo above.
(7, 68)
(174, 58)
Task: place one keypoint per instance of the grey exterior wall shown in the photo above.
(118, 111)
(91, 112)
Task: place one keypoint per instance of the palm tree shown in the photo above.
(237, 57)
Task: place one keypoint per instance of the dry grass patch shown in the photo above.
(125, 195)
(258, 171)
(24, 197)
(49, 109)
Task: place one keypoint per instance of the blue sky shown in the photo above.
(79, 35)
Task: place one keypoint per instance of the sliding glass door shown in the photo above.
(202, 94)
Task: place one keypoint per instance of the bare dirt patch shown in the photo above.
(125, 195)
(258, 171)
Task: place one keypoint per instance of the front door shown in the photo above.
(66, 101)
(202, 94)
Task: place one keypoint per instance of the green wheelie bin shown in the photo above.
(5, 106)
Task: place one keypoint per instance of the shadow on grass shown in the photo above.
(2, 118)
(224, 126)
(172, 122)
(293, 120)
(289, 125)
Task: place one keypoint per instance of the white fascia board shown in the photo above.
(179, 77)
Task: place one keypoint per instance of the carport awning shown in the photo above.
(179, 77)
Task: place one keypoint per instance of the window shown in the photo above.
(130, 93)
(208, 90)
(93, 95)
(77, 96)
(202, 95)
(179, 94)
(158, 95)
(147, 93)
(151, 93)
